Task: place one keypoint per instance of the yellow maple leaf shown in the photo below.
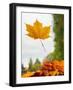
(37, 31)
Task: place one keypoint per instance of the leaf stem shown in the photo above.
(43, 45)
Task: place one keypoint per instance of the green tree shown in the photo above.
(30, 64)
(37, 61)
(35, 66)
(59, 38)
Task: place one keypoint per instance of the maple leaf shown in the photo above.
(37, 31)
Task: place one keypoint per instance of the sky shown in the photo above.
(33, 48)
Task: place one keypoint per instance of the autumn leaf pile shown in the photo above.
(48, 68)
(53, 68)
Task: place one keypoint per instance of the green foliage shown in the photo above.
(37, 61)
(35, 66)
(59, 38)
(30, 64)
